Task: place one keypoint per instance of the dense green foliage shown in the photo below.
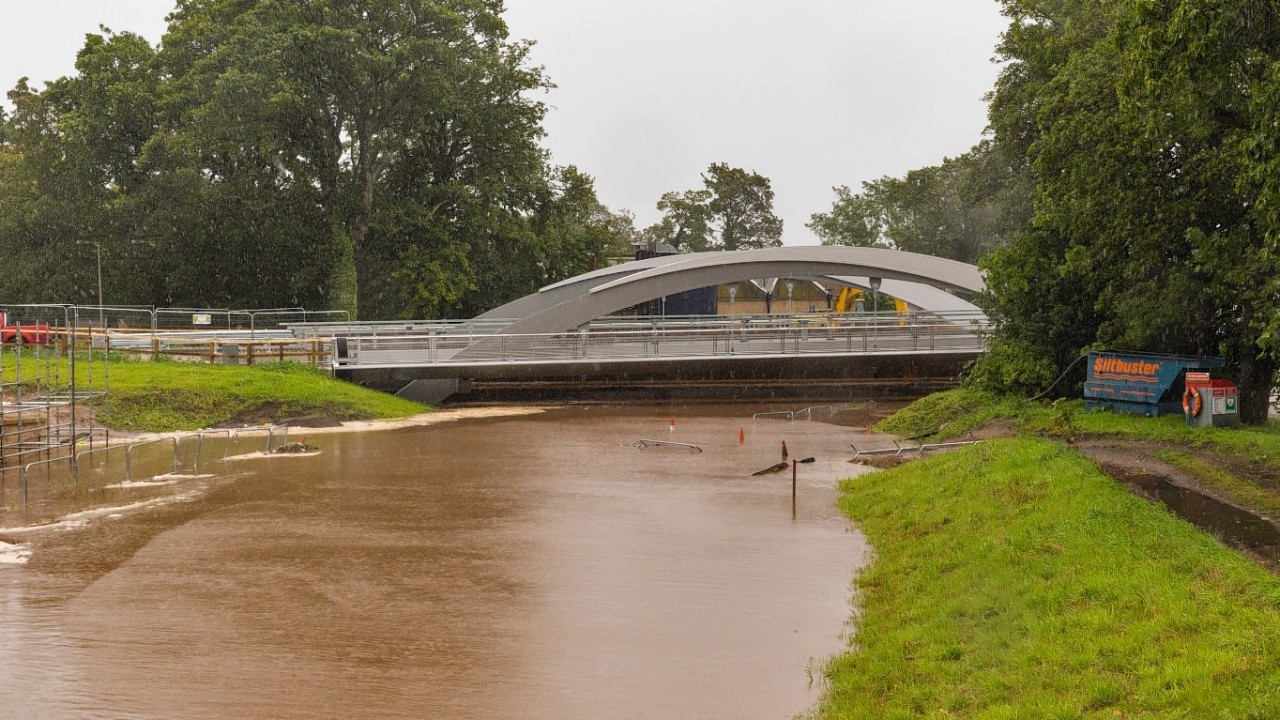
(1149, 129)
(1014, 580)
(733, 210)
(1126, 197)
(960, 209)
(381, 156)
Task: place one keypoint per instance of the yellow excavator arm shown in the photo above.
(847, 300)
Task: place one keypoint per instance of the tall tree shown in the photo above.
(75, 146)
(342, 101)
(856, 219)
(568, 232)
(732, 211)
(686, 221)
(960, 209)
(1045, 311)
(1201, 79)
(741, 208)
(380, 155)
(1141, 123)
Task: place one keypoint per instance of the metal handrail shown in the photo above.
(954, 332)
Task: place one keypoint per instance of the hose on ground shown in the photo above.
(1060, 377)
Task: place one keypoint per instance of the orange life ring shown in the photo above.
(1191, 401)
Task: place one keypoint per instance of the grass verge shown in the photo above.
(163, 396)
(954, 412)
(1014, 580)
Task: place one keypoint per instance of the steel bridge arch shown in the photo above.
(574, 302)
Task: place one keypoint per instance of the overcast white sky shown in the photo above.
(810, 93)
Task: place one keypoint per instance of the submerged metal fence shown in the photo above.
(163, 459)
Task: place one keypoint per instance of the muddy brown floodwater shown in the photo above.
(528, 567)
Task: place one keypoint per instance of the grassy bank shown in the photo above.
(954, 413)
(164, 396)
(1014, 580)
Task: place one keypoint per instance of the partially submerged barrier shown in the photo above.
(270, 430)
(272, 433)
(806, 413)
(898, 448)
(666, 445)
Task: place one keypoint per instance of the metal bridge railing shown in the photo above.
(777, 336)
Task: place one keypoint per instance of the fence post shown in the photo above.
(155, 348)
(249, 357)
(213, 351)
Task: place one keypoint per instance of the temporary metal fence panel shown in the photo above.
(58, 316)
(118, 318)
(284, 319)
(196, 319)
(37, 409)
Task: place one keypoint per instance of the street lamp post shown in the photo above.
(875, 305)
(97, 244)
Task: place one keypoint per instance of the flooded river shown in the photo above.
(520, 567)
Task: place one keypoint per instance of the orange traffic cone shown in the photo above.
(742, 437)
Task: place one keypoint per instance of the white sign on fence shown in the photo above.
(202, 319)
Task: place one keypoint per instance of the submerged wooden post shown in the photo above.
(793, 489)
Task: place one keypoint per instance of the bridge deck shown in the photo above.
(777, 347)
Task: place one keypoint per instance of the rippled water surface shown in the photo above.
(532, 567)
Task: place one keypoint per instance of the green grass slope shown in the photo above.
(163, 396)
(952, 413)
(1014, 580)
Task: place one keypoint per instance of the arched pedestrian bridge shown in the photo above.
(583, 331)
